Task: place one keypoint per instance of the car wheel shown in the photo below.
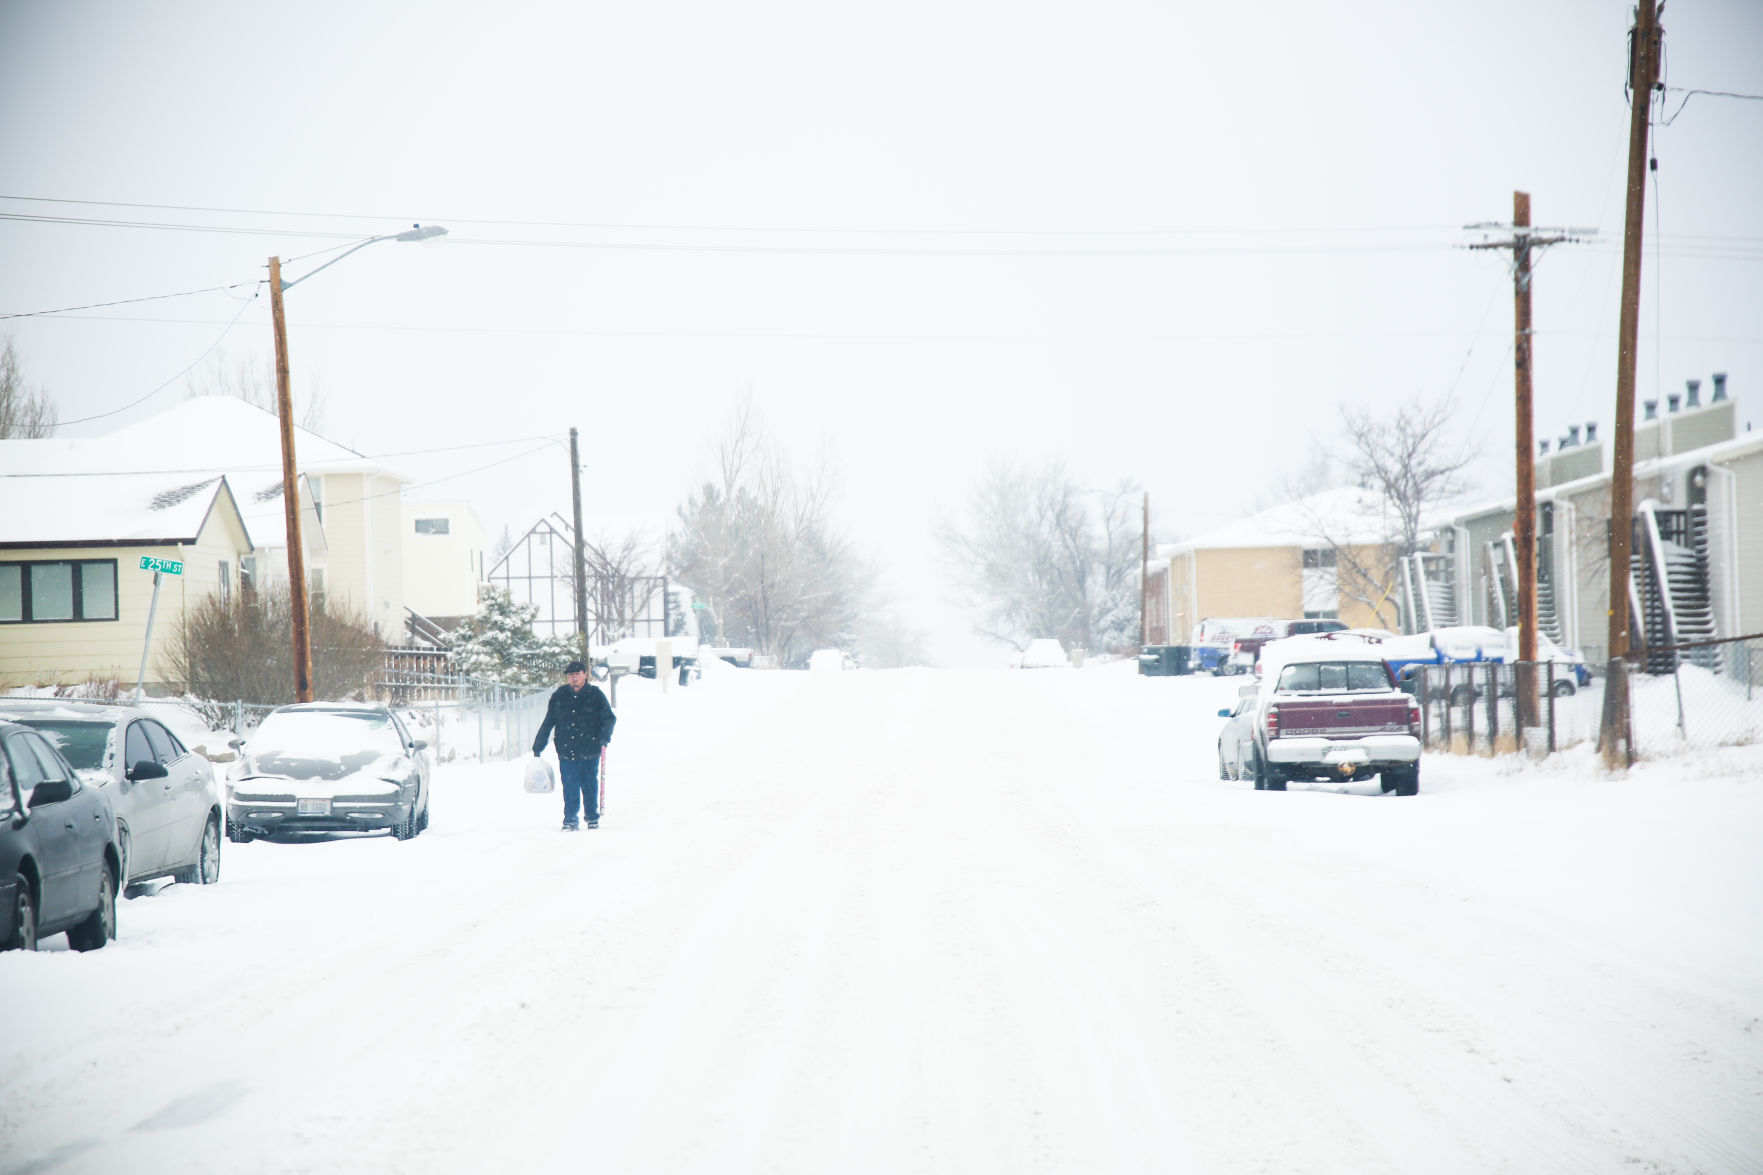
(1462, 695)
(423, 823)
(406, 829)
(238, 835)
(1223, 771)
(1564, 689)
(1407, 779)
(24, 917)
(100, 927)
(206, 870)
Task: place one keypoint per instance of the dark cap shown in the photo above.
(574, 667)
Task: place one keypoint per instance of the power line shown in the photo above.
(132, 301)
(729, 228)
(243, 306)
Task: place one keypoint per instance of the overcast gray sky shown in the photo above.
(1160, 241)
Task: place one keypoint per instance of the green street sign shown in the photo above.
(167, 566)
(700, 607)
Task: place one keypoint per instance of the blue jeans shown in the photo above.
(581, 788)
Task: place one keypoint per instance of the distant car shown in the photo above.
(169, 807)
(1216, 641)
(1549, 651)
(1236, 742)
(319, 768)
(1044, 653)
(60, 867)
(824, 660)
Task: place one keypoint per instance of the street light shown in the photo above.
(285, 409)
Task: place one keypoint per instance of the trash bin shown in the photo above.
(1164, 660)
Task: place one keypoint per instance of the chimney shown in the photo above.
(1543, 446)
(1693, 398)
(1652, 407)
(1591, 432)
(1573, 434)
(1672, 401)
(1562, 443)
(1719, 387)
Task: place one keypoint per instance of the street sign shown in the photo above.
(165, 566)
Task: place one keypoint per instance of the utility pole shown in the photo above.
(284, 400)
(581, 554)
(1522, 241)
(1144, 572)
(1645, 44)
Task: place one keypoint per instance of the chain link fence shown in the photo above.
(1712, 697)
(1498, 708)
(460, 717)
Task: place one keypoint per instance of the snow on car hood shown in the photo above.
(258, 774)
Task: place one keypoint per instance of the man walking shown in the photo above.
(583, 720)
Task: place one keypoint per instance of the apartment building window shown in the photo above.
(46, 592)
(1317, 558)
(1323, 615)
(434, 526)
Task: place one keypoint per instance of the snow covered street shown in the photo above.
(935, 921)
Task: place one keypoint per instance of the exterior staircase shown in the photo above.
(1669, 568)
(1432, 588)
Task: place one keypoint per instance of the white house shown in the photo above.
(74, 593)
(352, 520)
(444, 560)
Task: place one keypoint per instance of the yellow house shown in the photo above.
(1320, 557)
(75, 583)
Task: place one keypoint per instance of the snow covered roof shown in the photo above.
(219, 434)
(1345, 515)
(78, 508)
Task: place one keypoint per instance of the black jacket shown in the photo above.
(583, 722)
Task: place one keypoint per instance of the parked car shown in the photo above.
(59, 861)
(1477, 644)
(1549, 651)
(169, 807)
(1245, 651)
(1044, 653)
(1236, 741)
(329, 767)
(1328, 708)
(823, 660)
(1215, 640)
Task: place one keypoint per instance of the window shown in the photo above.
(25, 767)
(247, 577)
(1322, 615)
(434, 526)
(316, 582)
(165, 748)
(1335, 677)
(226, 582)
(315, 486)
(8, 805)
(42, 593)
(46, 757)
(136, 748)
(1320, 557)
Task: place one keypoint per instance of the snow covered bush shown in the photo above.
(498, 644)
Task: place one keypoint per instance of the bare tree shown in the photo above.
(26, 413)
(1037, 557)
(756, 542)
(1406, 463)
(251, 379)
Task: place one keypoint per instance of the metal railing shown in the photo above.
(1490, 707)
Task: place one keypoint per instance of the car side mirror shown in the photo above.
(147, 769)
(420, 744)
(51, 791)
(1224, 714)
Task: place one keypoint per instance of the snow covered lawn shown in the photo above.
(935, 921)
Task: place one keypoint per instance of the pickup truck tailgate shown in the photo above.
(1343, 717)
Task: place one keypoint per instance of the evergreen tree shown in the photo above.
(498, 644)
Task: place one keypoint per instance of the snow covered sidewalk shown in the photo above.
(935, 921)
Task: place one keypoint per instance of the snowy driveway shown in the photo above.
(940, 922)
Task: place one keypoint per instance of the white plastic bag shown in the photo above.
(541, 777)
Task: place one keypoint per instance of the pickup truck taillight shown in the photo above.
(1414, 719)
(1236, 646)
(1273, 722)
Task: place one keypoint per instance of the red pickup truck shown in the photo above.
(1329, 708)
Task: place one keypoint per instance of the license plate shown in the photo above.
(312, 807)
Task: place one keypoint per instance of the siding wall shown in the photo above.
(48, 654)
(363, 522)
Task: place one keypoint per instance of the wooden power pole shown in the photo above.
(284, 400)
(1646, 41)
(581, 552)
(1524, 241)
(1144, 571)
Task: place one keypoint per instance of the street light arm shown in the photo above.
(420, 232)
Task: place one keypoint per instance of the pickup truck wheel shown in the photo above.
(1275, 781)
(1405, 781)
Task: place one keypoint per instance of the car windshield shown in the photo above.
(82, 744)
(1335, 676)
(310, 737)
